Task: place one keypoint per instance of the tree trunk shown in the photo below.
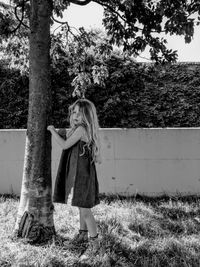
(35, 213)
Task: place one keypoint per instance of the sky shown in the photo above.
(91, 16)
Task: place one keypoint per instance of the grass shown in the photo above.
(138, 231)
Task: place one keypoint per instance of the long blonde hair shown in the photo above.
(91, 124)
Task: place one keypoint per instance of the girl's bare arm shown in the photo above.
(71, 140)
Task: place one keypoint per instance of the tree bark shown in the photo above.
(35, 213)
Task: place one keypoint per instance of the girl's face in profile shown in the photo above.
(76, 115)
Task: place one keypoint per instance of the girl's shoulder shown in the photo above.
(84, 132)
(80, 127)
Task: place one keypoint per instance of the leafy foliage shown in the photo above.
(13, 98)
(131, 94)
(150, 96)
(14, 45)
(134, 95)
(87, 52)
(133, 25)
(126, 94)
(137, 24)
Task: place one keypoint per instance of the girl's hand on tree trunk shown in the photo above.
(50, 128)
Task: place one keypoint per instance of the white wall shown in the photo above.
(134, 160)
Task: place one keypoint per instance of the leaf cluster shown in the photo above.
(134, 25)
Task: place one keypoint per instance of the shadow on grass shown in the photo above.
(159, 225)
(162, 221)
(153, 252)
(53, 263)
(161, 229)
(4, 263)
(4, 197)
(153, 200)
(176, 213)
(144, 254)
(67, 244)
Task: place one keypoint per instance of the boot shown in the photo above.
(79, 239)
(93, 248)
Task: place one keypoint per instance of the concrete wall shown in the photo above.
(149, 161)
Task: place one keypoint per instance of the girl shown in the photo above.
(81, 150)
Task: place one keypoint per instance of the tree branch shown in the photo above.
(80, 3)
(22, 5)
(109, 7)
(68, 27)
(58, 21)
(22, 17)
(61, 24)
(114, 11)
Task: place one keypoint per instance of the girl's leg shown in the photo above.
(88, 218)
(94, 244)
(83, 225)
(82, 235)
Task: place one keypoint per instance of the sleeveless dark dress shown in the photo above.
(77, 172)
